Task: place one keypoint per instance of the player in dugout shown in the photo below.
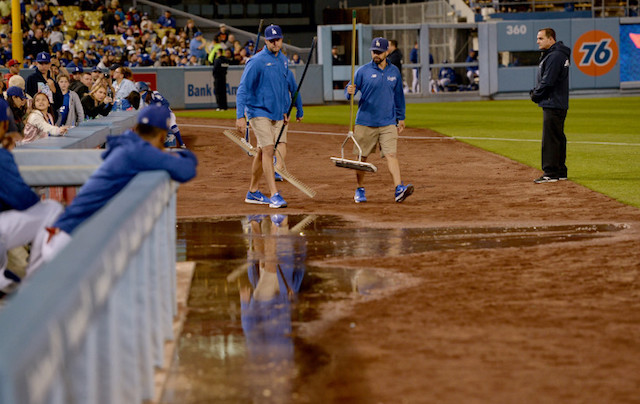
(126, 156)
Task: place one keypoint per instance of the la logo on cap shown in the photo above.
(273, 31)
(377, 43)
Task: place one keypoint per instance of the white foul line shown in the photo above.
(433, 137)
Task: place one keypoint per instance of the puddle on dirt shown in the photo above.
(255, 283)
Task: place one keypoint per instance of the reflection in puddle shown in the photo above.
(255, 283)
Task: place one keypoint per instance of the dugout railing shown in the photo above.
(90, 326)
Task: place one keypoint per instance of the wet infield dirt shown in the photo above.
(480, 287)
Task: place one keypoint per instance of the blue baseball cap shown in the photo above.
(78, 69)
(4, 110)
(43, 57)
(272, 32)
(15, 91)
(379, 44)
(156, 116)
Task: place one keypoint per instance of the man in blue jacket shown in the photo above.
(552, 95)
(381, 112)
(264, 94)
(126, 156)
(22, 214)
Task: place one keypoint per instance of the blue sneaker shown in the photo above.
(277, 201)
(278, 177)
(403, 192)
(359, 196)
(278, 219)
(257, 198)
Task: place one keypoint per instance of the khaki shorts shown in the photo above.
(368, 137)
(267, 131)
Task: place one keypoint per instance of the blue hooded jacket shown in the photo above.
(126, 156)
(264, 87)
(14, 192)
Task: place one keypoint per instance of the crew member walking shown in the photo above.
(264, 93)
(552, 95)
(381, 113)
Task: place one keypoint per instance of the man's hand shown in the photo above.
(52, 85)
(241, 124)
(400, 126)
(351, 89)
(286, 119)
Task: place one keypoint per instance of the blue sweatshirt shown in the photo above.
(14, 192)
(382, 97)
(264, 87)
(126, 156)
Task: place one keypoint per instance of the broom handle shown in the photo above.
(353, 67)
(255, 48)
(295, 95)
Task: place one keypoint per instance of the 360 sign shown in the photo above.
(595, 53)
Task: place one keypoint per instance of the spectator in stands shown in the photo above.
(14, 68)
(22, 214)
(222, 36)
(122, 84)
(71, 112)
(395, 56)
(97, 102)
(18, 103)
(42, 81)
(131, 101)
(80, 25)
(295, 60)
(146, 25)
(109, 21)
(472, 71)
(75, 81)
(197, 47)
(17, 81)
(55, 39)
(126, 155)
(40, 122)
(58, 19)
(249, 47)
(166, 20)
(215, 50)
(28, 62)
(190, 29)
(36, 44)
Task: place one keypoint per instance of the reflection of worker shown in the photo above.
(276, 269)
(552, 95)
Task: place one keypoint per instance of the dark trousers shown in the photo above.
(220, 88)
(554, 142)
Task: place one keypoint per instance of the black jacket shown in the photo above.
(395, 58)
(91, 110)
(552, 90)
(31, 88)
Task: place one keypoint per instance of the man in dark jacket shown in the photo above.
(395, 56)
(552, 95)
(35, 44)
(220, 66)
(41, 81)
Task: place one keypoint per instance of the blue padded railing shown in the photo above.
(89, 327)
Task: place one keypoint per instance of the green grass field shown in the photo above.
(603, 153)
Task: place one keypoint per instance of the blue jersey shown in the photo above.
(264, 87)
(156, 99)
(382, 96)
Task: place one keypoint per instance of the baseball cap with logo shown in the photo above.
(379, 44)
(12, 62)
(78, 69)
(16, 91)
(272, 32)
(43, 57)
(155, 115)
